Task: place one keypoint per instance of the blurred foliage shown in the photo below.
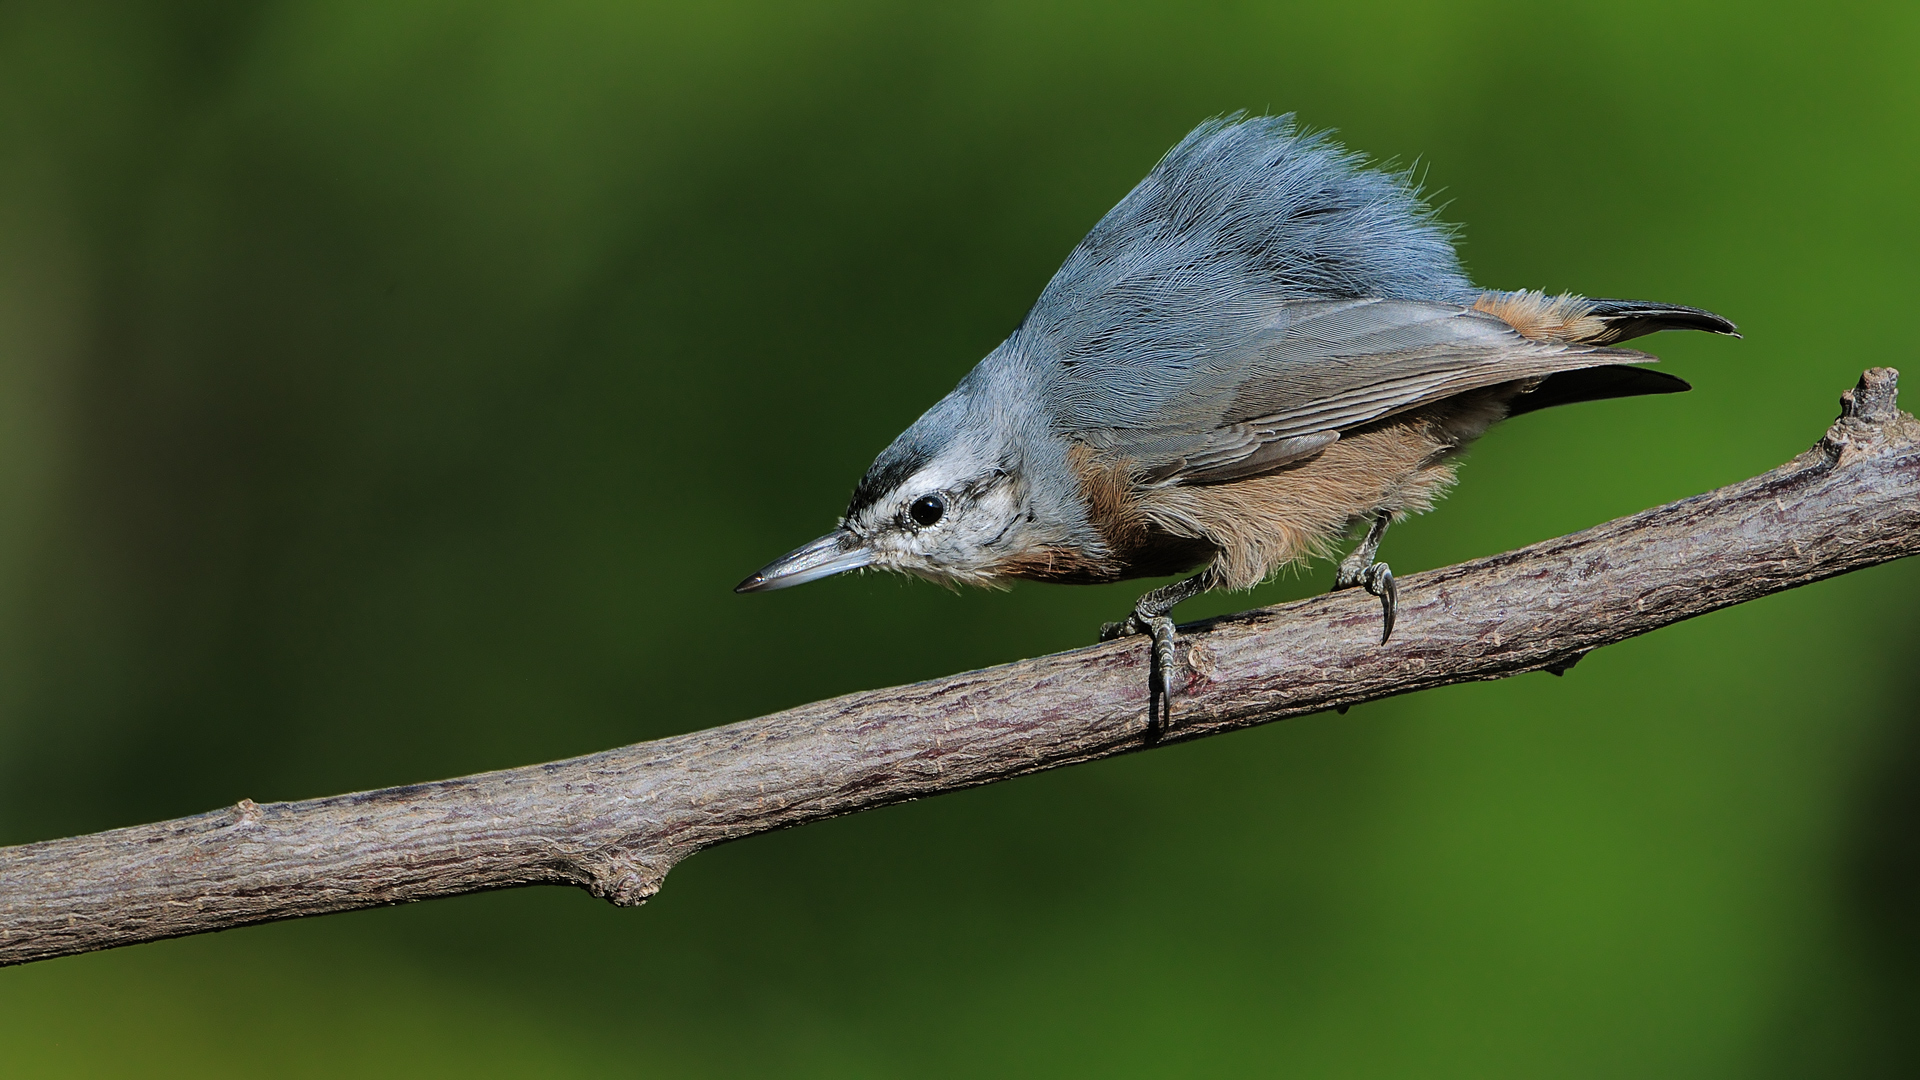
(392, 390)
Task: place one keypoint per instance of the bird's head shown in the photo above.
(943, 502)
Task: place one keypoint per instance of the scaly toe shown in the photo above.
(1164, 657)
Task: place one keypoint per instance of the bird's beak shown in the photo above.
(835, 553)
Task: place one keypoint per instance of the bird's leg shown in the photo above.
(1150, 617)
(1359, 568)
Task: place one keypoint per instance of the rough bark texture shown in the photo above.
(615, 822)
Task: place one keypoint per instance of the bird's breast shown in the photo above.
(1125, 542)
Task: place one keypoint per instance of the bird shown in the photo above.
(1269, 345)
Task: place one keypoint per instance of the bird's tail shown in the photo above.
(1577, 320)
(1625, 319)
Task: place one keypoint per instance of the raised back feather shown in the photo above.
(1243, 214)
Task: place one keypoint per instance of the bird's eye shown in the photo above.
(927, 510)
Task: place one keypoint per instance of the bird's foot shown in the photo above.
(1160, 673)
(1150, 617)
(1376, 578)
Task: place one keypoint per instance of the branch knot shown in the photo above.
(1870, 418)
(625, 879)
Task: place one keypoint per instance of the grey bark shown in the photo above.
(615, 822)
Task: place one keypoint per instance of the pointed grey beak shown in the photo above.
(835, 553)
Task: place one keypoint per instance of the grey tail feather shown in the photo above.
(1595, 384)
(1627, 319)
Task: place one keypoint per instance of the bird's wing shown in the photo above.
(1304, 372)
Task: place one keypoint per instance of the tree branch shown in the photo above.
(615, 822)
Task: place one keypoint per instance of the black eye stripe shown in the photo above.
(927, 510)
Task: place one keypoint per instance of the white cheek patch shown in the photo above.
(989, 516)
(963, 549)
(964, 544)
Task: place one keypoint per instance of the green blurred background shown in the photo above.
(394, 389)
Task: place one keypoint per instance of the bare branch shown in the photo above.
(615, 822)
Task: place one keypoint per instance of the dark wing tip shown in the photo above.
(1596, 384)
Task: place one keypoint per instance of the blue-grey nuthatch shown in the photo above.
(1265, 344)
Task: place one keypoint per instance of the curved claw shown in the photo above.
(1378, 580)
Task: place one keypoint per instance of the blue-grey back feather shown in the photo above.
(1243, 214)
